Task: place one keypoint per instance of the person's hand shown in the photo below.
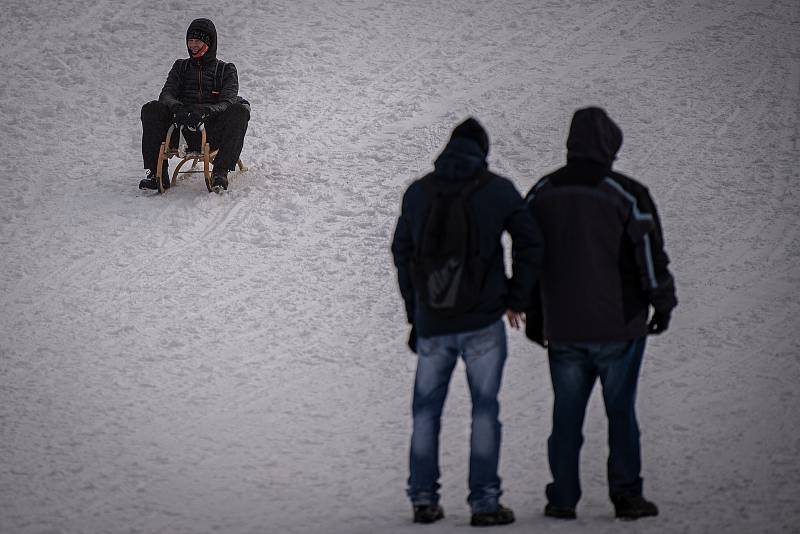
(515, 319)
(194, 120)
(659, 323)
(180, 115)
(412, 340)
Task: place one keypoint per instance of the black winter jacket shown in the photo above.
(604, 258)
(190, 82)
(496, 207)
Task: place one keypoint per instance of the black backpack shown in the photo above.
(447, 270)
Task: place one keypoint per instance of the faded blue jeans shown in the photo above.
(484, 353)
(574, 368)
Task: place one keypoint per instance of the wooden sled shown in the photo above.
(205, 154)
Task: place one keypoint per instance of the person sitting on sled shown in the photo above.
(199, 90)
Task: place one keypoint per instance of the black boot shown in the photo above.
(148, 183)
(632, 507)
(151, 181)
(560, 512)
(220, 179)
(501, 516)
(428, 513)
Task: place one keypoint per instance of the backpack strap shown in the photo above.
(480, 179)
(184, 66)
(219, 74)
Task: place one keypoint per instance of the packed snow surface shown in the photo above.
(236, 363)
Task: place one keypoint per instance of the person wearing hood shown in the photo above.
(476, 334)
(199, 89)
(604, 268)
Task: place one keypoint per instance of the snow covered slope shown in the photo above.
(192, 363)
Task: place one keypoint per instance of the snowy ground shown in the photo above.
(193, 363)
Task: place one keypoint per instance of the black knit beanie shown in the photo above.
(472, 129)
(201, 29)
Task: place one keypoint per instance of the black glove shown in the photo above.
(659, 323)
(194, 120)
(180, 115)
(412, 340)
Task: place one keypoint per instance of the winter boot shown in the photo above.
(501, 516)
(632, 507)
(220, 179)
(560, 512)
(151, 180)
(428, 513)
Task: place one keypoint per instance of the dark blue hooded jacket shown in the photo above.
(496, 207)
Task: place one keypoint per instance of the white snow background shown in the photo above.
(192, 363)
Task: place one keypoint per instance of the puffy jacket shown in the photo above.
(190, 81)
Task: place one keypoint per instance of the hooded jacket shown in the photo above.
(495, 207)
(190, 81)
(604, 262)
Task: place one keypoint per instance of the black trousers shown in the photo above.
(224, 131)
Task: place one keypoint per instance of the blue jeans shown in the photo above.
(573, 370)
(484, 352)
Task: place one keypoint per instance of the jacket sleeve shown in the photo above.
(651, 257)
(229, 92)
(527, 251)
(171, 90)
(402, 251)
(534, 313)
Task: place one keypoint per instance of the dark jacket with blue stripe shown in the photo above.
(604, 262)
(496, 207)
(190, 81)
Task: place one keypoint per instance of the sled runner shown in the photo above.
(205, 154)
